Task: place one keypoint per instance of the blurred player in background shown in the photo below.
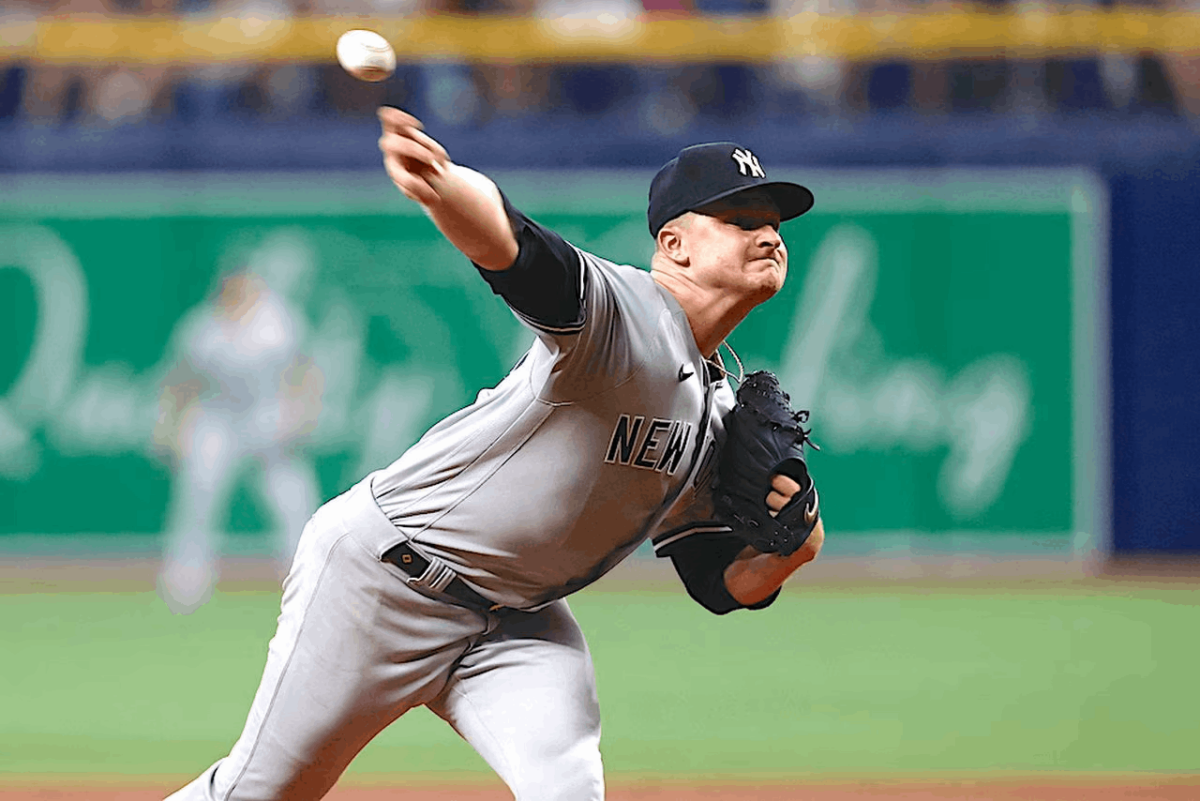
(241, 388)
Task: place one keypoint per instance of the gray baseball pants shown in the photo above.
(357, 647)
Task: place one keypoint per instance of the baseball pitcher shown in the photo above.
(441, 579)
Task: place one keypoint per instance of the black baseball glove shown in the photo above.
(763, 436)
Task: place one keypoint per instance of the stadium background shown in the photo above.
(1013, 187)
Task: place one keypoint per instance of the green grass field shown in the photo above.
(1097, 677)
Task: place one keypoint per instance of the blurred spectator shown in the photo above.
(52, 92)
(1076, 85)
(882, 85)
(248, 87)
(930, 90)
(1091, 83)
(453, 93)
(819, 84)
(509, 89)
(1149, 81)
(1022, 80)
(830, 86)
(666, 104)
(12, 79)
(1014, 85)
(241, 388)
(673, 96)
(1001, 83)
(104, 95)
(1108, 82)
(18, 26)
(726, 90)
(1184, 69)
(590, 89)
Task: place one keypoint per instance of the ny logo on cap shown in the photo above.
(748, 163)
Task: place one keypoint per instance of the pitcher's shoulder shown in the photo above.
(629, 285)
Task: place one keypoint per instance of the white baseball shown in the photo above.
(366, 55)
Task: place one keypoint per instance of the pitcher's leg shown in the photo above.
(524, 696)
(354, 650)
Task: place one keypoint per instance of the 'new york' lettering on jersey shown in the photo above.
(658, 445)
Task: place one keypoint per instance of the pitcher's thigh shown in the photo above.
(525, 698)
(355, 649)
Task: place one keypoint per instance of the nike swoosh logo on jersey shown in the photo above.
(685, 372)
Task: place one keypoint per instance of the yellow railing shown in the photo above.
(925, 36)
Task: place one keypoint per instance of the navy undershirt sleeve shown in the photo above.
(700, 560)
(545, 284)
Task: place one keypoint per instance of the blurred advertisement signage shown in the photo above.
(944, 327)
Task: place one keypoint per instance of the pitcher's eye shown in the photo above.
(753, 223)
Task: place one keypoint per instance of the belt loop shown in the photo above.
(437, 575)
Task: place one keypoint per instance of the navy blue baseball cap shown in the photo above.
(703, 174)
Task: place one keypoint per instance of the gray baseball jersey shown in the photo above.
(595, 441)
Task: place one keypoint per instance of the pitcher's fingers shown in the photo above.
(398, 146)
(431, 143)
(413, 186)
(776, 501)
(784, 485)
(394, 119)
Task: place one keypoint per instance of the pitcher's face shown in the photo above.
(736, 245)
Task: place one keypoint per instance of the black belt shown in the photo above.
(415, 565)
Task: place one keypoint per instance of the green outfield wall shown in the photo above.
(943, 326)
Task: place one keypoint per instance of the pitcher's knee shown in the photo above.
(574, 773)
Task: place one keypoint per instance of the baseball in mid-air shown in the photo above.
(366, 55)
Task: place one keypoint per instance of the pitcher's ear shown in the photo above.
(672, 243)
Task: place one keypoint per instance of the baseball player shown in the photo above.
(241, 388)
(441, 579)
